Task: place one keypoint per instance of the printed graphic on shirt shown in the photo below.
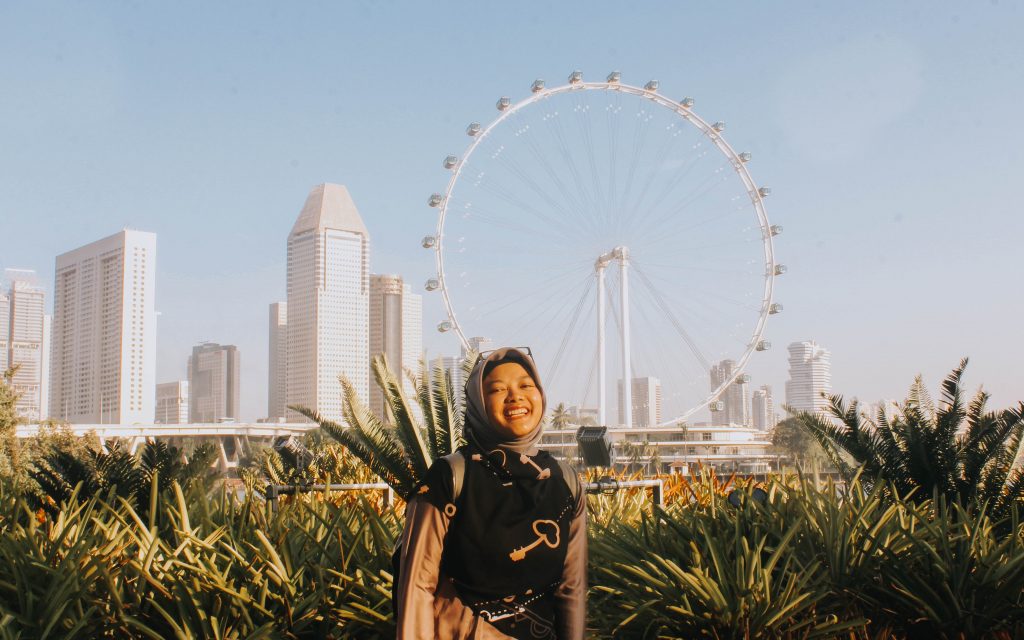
(547, 532)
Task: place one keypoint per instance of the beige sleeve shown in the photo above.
(571, 596)
(422, 542)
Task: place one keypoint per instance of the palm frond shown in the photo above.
(407, 429)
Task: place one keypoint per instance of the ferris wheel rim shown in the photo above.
(686, 113)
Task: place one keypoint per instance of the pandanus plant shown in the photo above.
(400, 445)
(958, 451)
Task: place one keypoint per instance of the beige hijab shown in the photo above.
(478, 427)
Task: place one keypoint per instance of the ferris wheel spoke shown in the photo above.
(555, 126)
(553, 175)
(583, 111)
(520, 173)
(639, 142)
(660, 301)
(704, 189)
(569, 332)
(679, 178)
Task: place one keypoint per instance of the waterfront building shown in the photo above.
(810, 376)
(24, 341)
(172, 402)
(328, 303)
(677, 449)
(396, 332)
(646, 396)
(213, 383)
(277, 361)
(735, 407)
(103, 353)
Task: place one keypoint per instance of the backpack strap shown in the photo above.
(571, 478)
(457, 462)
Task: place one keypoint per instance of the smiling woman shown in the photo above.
(494, 544)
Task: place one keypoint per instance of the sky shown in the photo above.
(889, 134)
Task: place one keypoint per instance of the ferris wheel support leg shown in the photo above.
(627, 376)
(602, 384)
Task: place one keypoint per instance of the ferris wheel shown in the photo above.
(616, 232)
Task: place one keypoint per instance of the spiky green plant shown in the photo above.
(961, 452)
(400, 449)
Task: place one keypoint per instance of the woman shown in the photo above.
(507, 556)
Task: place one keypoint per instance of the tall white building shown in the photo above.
(646, 394)
(172, 402)
(103, 353)
(763, 408)
(396, 331)
(734, 398)
(810, 375)
(277, 362)
(24, 341)
(478, 344)
(213, 383)
(328, 303)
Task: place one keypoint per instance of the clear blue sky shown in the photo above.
(889, 132)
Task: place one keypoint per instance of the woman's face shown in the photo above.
(512, 400)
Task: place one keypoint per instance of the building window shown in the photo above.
(706, 436)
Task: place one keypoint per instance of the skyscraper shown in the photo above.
(763, 408)
(810, 375)
(23, 342)
(277, 362)
(734, 398)
(646, 395)
(213, 385)
(103, 356)
(172, 402)
(396, 330)
(328, 303)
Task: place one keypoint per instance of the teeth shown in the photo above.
(515, 412)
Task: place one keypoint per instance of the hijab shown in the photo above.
(478, 428)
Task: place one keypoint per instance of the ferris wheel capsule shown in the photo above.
(432, 285)
(450, 162)
(537, 86)
(435, 200)
(444, 327)
(503, 103)
(575, 77)
(428, 242)
(775, 308)
(719, 126)
(651, 85)
(686, 102)
(780, 269)
(776, 229)
(763, 345)
(717, 405)
(745, 156)
(473, 129)
(764, 192)
(613, 77)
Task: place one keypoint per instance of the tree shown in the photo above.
(399, 450)
(794, 441)
(929, 451)
(12, 468)
(560, 417)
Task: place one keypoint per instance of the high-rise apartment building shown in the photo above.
(24, 341)
(810, 376)
(646, 394)
(103, 353)
(734, 398)
(213, 385)
(328, 303)
(763, 408)
(277, 361)
(478, 344)
(396, 331)
(172, 402)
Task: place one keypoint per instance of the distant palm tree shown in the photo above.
(398, 447)
(560, 417)
(929, 450)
